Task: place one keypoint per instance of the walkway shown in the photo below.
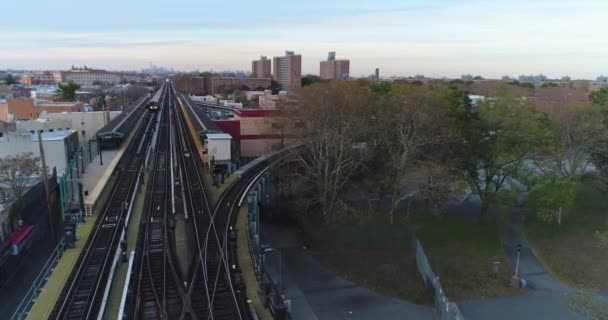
(547, 298)
(317, 293)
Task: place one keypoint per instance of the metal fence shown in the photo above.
(32, 294)
(444, 309)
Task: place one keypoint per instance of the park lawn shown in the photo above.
(461, 252)
(375, 255)
(571, 251)
(391, 272)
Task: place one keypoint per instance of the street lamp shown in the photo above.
(268, 250)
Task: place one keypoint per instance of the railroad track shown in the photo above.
(196, 203)
(81, 297)
(160, 293)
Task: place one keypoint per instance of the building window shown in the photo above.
(83, 133)
(1, 134)
(32, 131)
(51, 130)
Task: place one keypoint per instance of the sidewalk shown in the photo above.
(547, 298)
(317, 293)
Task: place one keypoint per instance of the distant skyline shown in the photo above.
(436, 38)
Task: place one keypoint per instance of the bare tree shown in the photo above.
(575, 131)
(17, 173)
(411, 140)
(335, 119)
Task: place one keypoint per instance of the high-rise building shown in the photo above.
(287, 70)
(333, 69)
(377, 74)
(261, 68)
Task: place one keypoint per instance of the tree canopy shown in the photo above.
(67, 92)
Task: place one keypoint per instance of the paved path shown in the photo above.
(317, 293)
(547, 297)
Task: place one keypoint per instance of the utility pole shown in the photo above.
(47, 189)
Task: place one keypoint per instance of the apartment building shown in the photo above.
(223, 85)
(261, 68)
(287, 70)
(333, 69)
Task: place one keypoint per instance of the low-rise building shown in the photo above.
(596, 85)
(44, 77)
(223, 85)
(5, 128)
(23, 109)
(86, 123)
(88, 77)
(257, 83)
(59, 146)
(254, 130)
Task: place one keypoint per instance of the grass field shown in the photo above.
(461, 252)
(375, 256)
(571, 251)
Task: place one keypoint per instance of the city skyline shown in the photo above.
(438, 39)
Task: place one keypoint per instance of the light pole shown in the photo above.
(267, 250)
(517, 263)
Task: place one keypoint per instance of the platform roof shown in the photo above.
(201, 122)
(124, 122)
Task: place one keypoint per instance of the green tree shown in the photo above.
(274, 87)
(549, 201)
(9, 79)
(67, 92)
(600, 97)
(498, 137)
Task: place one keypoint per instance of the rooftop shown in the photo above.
(53, 136)
(219, 136)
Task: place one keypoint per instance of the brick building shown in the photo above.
(261, 68)
(257, 83)
(333, 69)
(287, 70)
(223, 85)
(23, 109)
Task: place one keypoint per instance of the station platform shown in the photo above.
(94, 180)
(45, 302)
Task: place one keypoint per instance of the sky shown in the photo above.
(436, 38)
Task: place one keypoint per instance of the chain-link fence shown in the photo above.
(444, 309)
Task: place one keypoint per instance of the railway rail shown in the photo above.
(160, 294)
(82, 295)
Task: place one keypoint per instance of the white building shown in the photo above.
(208, 99)
(218, 147)
(59, 146)
(88, 77)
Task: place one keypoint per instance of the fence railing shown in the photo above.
(444, 308)
(34, 291)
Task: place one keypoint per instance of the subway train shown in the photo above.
(152, 106)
